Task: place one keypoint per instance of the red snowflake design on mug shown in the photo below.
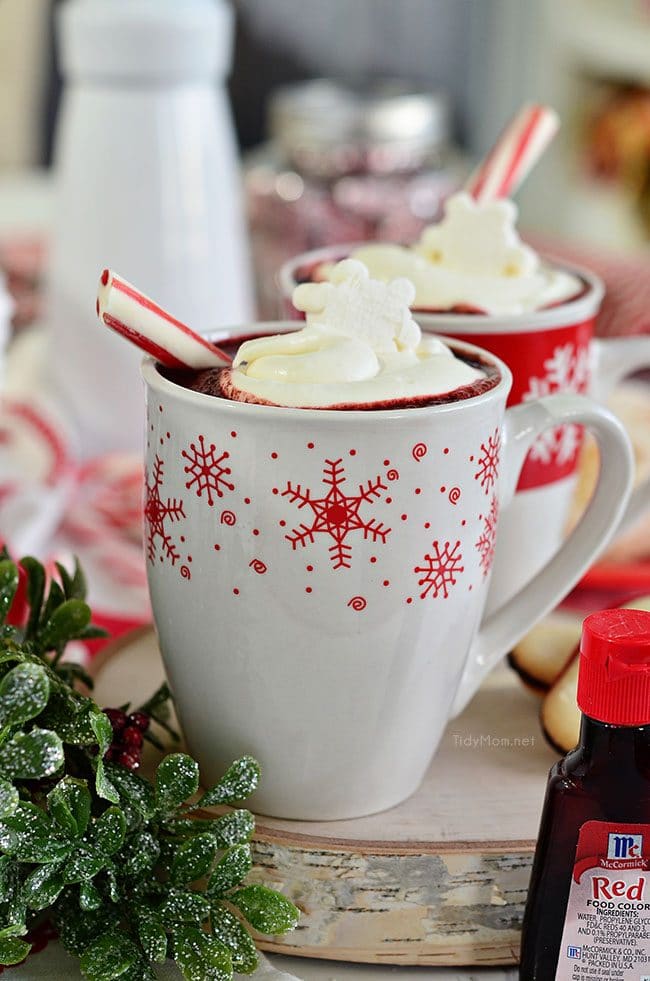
(488, 462)
(440, 570)
(337, 514)
(487, 540)
(567, 370)
(207, 471)
(157, 513)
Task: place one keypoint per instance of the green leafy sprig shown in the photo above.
(126, 868)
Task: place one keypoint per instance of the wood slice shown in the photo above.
(439, 880)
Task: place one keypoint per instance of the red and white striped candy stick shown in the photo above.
(126, 310)
(516, 151)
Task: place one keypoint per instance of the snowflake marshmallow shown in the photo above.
(478, 238)
(354, 304)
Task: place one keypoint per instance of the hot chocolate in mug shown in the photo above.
(549, 351)
(319, 577)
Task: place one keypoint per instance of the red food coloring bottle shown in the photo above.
(588, 910)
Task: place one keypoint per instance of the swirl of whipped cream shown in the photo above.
(360, 346)
(472, 257)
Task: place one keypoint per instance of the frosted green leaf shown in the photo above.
(107, 831)
(101, 726)
(31, 755)
(24, 692)
(234, 828)
(29, 835)
(184, 906)
(177, 779)
(8, 798)
(78, 928)
(8, 587)
(199, 957)
(65, 623)
(43, 886)
(104, 787)
(35, 591)
(238, 783)
(267, 911)
(109, 957)
(152, 937)
(232, 869)
(136, 795)
(13, 950)
(89, 897)
(193, 859)
(139, 855)
(231, 932)
(69, 804)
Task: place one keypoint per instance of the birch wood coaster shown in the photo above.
(439, 880)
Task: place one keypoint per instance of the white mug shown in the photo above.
(548, 351)
(318, 578)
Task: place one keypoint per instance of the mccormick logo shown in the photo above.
(623, 847)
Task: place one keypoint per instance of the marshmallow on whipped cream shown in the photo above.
(360, 347)
(472, 258)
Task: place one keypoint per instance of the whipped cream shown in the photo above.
(360, 345)
(472, 257)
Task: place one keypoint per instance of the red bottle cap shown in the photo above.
(614, 676)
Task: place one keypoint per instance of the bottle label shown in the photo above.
(607, 927)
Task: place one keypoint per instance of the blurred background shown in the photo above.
(479, 58)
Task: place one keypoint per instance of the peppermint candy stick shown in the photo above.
(130, 313)
(515, 153)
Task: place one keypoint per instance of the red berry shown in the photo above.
(140, 720)
(131, 737)
(129, 759)
(109, 754)
(117, 718)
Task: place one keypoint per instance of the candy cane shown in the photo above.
(130, 313)
(516, 151)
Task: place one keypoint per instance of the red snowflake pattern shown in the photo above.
(156, 515)
(337, 514)
(488, 537)
(207, 470)
(440, 570)
(488, 462)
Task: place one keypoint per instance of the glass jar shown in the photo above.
(344, 164)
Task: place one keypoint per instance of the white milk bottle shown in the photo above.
(148, 185)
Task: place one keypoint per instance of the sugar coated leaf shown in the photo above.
(13, 950)
(135, 794)
(184, 906)
(8, 586)
(153, 937)
(177, 779)
(231, 932)
(232, 869)
(234, 828)
(65, 623)
(31, 755)
(193, 859)
(24, 693)
(107, 831)
(104, 787)
(43, 886)
(29, 835)
(8, 798)
(238, 783)
(267, 911)
(101, 726)
(89, 896)
(69, 804)
(109, 957)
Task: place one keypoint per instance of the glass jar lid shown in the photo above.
(327, 128)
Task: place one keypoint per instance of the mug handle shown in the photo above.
(523, 424)
(613, 360)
